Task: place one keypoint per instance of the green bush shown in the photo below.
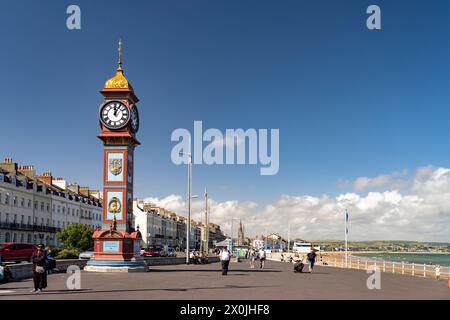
(77, 236)
(71, 253)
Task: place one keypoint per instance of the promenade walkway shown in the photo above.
(276, 281)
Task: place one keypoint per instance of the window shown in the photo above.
(53, 208)
(29, 222)
(7, 219)
(6, 199)
(73, 212)
(15, 218)
(48, 207)
(35, 204)
(64, 210)
(42, 221)
(0, 198)
(29, 238)
(15, 200)
(59, 209)
(22, 219)
(21, 237)
(22, 202)
(29, 203)
(58, 224)
(35, 220)
(48, 222)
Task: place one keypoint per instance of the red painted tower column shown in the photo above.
(116, 243)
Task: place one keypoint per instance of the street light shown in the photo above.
(231, 243)
(188, 225)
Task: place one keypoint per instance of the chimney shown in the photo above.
(28, 171)
(74, 187)
(84, 191)
(95, 194)
(9, 165)
(46, 177)
(60, 182)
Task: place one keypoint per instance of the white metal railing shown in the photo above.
(395, 267)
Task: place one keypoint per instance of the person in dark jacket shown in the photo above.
(311, 259)
(39, 273)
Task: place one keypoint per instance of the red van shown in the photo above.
(11, 251)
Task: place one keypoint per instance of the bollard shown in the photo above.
(358, 264)
(393, 267)
(384, 266)
(366, 264)
(403, 267)
(424, 270)
(413, 269)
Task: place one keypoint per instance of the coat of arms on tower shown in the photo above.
(114, 205)
(115, 166)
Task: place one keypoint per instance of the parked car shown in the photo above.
(11, 251)
(171, 252)
(153, 250)
(86, 255)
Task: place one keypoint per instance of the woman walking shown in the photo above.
(252, 256)
(38, 260)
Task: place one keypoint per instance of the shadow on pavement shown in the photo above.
(216, 271)
(56, 292)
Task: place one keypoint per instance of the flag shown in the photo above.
(346, 222)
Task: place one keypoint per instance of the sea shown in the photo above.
(442, 259)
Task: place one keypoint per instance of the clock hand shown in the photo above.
(115, 111)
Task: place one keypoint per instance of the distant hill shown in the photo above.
(385, 245)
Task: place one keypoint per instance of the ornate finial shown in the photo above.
(120, 54)
(118, 81)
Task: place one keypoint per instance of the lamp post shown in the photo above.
(289, 237)
(231, 243)
(188, 225)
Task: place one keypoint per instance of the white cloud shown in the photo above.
(419, 212)
(395, 180)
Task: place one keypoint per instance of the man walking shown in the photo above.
(262, 258)
(311, 259)
(225, 260)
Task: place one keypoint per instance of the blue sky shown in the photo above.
(348, 102)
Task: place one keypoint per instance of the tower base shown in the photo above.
(115, 266)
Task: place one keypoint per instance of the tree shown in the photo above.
(76, 236)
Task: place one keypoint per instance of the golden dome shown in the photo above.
(118, 81)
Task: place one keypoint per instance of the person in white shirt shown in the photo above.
(225, 260)
(262, 258)
(438, 272)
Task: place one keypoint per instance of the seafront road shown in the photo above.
(205, 282)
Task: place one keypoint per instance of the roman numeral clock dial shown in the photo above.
(114, 115)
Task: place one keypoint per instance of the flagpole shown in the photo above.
(346, 231)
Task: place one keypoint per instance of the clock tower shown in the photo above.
(116, 242)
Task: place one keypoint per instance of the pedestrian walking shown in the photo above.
(311, 260)
(262, 258)
(438, 272)
(252, 257)
(225, 260)
(38, 267)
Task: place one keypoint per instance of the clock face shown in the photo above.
(114, 115)
(134, 119)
